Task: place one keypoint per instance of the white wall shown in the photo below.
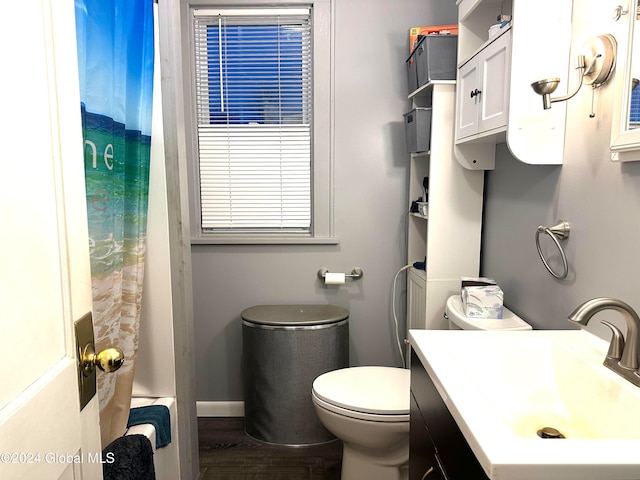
(601, 199)
(371, 174)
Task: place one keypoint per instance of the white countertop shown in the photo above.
(495, 384)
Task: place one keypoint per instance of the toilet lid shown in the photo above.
(373, 390)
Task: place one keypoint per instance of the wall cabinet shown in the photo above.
(500, 71)
(625, 131)
(437, 447)
(483, 93)
(449, 235)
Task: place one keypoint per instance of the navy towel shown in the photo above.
(128, 458)
(156, 415)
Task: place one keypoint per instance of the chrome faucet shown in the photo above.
(622, 356)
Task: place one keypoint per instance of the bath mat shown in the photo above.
(128, 458)
(156, 415)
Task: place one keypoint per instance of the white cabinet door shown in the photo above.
(468, 98)
(494, 104)
(483, 90)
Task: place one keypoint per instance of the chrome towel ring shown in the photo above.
(557, 232)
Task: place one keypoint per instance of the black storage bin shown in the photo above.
(284, 349)
(417, 130)
(436, 58)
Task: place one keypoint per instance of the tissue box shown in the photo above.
(481, 298)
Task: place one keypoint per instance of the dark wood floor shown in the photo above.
(227, 453)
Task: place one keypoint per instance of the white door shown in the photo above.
(46, 282)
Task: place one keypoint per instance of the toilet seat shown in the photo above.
(379, 394)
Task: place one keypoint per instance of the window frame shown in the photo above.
(322, 166)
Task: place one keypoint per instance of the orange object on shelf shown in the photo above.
(415, 32)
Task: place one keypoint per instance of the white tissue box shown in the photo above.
(481, 298)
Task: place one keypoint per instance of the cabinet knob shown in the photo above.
(475, 93)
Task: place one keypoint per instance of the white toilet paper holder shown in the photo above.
(356, 274)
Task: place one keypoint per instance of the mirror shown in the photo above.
(634, 104)
(625, 129)
(634, 100)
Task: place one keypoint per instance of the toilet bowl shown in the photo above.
(368, 409)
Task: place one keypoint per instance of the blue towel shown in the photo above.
(156, 415)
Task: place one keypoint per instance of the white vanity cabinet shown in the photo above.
(483, 93)
(448, 236)
(499, 71)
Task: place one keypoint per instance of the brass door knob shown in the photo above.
(108, 360)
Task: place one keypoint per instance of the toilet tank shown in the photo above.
(454, 313)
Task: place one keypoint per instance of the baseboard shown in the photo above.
(220, 409)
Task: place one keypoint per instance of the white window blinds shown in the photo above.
(253, 99)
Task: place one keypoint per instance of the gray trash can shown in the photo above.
(284, 349)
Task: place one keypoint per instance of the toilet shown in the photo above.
(368, 407)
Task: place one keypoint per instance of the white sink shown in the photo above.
(503, 387)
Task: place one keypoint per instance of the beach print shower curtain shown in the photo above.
(115, 59)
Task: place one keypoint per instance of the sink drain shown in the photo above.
(549, 432)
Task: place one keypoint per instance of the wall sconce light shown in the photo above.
(595, 65)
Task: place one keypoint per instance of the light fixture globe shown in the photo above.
(546, 87)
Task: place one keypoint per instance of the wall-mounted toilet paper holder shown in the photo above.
(356, 274)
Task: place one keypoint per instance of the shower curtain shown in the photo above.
(115, 59)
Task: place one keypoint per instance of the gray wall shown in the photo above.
(371, 174)
(601, 199)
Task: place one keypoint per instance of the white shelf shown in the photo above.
(449, 235)
(427, 88)
(484, 45)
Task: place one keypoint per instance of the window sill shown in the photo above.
(263, 240)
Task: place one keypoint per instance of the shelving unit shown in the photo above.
(449, 235)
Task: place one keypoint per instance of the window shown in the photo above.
(255, 102)
(634, 109)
